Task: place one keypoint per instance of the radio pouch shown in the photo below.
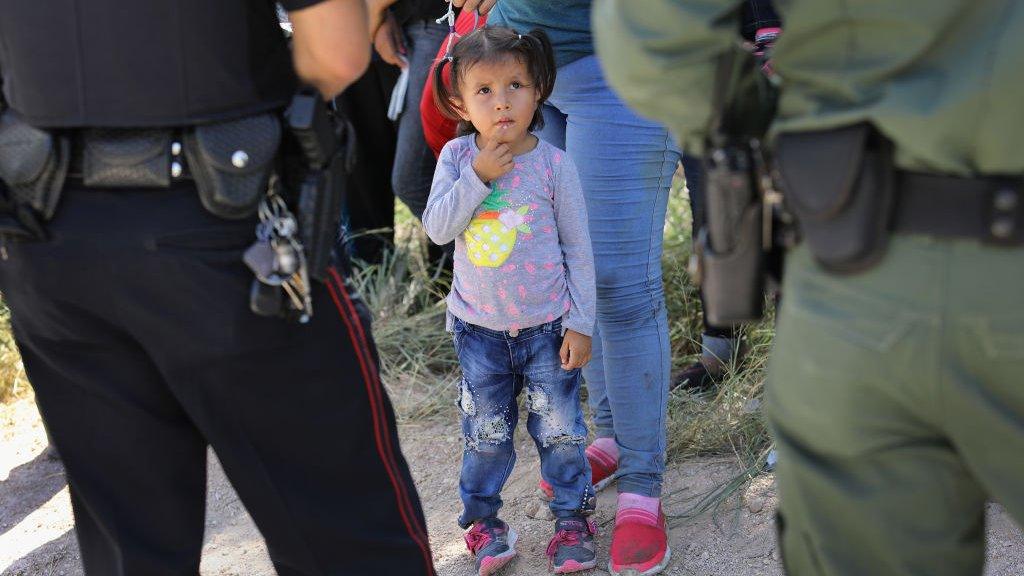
(33, 164)
(839, 184)
(231, 162)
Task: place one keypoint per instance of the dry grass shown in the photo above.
(13, 383)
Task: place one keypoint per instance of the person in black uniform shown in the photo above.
(132, 312)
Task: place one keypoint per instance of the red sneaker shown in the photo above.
(602, 473)
(638, 548)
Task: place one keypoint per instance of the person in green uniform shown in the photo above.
(894, 392)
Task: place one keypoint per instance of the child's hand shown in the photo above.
(575, 350)
(494, 161)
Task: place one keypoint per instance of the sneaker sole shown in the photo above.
(649, 572)
(493, 564)
(544, 496)
(574, 566)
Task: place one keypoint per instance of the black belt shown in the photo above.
(986, 209)
(172, 154)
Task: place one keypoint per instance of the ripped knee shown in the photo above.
(492, 431)
(558, 438)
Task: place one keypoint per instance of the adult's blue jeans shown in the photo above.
(496, 366)
(414, 162)
(626, 165)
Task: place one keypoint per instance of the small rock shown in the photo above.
(538, 510)
(755, 505)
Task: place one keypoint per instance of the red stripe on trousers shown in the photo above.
(378, 389)
(380, 433)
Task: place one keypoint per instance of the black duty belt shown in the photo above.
(986, 209)
(122, 157)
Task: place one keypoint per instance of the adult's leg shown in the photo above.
(136, 465)
(982, 376)
(626, 165)
(295, 412)
(414, 162)
(870, 480)
(369, 202)
(718, 343)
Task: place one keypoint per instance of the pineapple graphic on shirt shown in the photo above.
(492, 234)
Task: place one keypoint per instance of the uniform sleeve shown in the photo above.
(661, 56)
(574, 238)
(454, 197)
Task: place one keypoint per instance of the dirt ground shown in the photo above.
(36, 537)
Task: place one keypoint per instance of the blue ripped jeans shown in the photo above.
(496, 366)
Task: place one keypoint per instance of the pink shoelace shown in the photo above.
(567, 537)
(477, 538)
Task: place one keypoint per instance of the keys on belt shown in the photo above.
(279, 263)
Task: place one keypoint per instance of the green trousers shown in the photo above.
(896, 398)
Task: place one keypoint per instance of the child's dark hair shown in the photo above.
(493, 44)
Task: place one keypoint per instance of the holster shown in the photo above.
(33, 164)
(839, 184)
(323, 153)
(232, 161)
(729, 249)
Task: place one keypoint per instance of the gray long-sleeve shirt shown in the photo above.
(522, 246)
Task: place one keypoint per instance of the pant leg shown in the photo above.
(626, 165)
(414, 162)
(487, 401)
(369, 203)
(984, 399)
(555, 421)
(135, 463)
(870, 481)
(694, 172)
(295, 412)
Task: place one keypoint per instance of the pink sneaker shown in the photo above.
(492, 543)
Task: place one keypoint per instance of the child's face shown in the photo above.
(499, 98)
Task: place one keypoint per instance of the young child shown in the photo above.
(522, 302)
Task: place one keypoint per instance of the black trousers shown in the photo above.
(134, 326)
(370, 202)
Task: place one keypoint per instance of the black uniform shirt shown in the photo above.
(126, 63)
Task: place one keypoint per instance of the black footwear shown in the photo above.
(697, 378)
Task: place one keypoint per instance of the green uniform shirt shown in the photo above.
(944, 79)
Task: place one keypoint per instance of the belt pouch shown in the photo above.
(839, 184)
(126, 158)
(231, 163)
(733, 283)
(33, 164)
